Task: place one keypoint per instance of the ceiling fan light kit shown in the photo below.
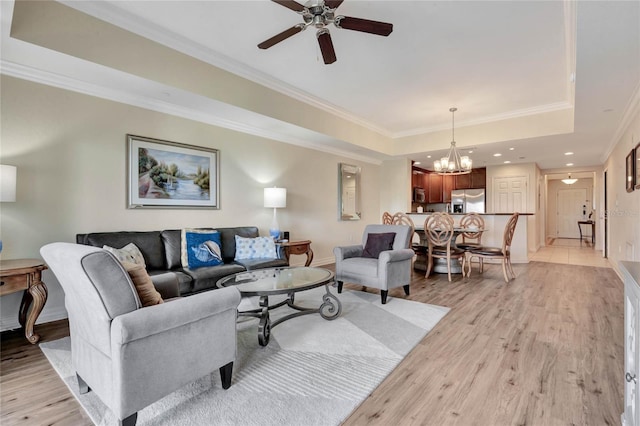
(453, 163)
(320, 13)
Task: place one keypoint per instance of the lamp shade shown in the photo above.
(275, 197)
(7, 183)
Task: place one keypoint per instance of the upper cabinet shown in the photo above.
(435, 188)
(448, 185)
(463, 181)
(478, 178)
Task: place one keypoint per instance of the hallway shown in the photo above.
(570, 252)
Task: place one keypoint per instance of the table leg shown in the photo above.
(331, 306)
(309, 257)
(33, 301)
(580, 229)
(264, 326)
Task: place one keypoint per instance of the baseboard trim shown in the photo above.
(53, 315)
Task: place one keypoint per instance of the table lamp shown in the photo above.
(275, 198)
(7, 186)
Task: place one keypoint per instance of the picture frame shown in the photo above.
(637, 165)
(164, 175)
(630, 175)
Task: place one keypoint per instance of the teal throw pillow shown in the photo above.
(201, 248)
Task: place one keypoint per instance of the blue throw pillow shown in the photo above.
(201, 248)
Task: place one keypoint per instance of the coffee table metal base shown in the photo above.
(329, 309)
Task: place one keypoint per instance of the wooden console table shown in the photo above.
(593, 229)
(298, 247)
(25, 274)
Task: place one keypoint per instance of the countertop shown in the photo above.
(481, 214)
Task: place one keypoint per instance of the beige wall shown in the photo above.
(623, 207)
(70, 153)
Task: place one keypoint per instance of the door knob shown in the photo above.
(630, 378)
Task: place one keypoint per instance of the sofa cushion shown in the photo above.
(252, 264)
(206, 278)
(255, 248)
(185, 282)
(129, 253)
(147, 293)
(200, 248)
(149, 243)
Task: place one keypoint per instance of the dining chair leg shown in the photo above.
(504, 269)
(513, 274)
(429, 266)
(449, 266)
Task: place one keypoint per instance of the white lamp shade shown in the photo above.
(275, 197)
(7, 183)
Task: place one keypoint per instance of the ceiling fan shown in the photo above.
(321, 13)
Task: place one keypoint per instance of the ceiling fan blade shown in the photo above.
(282, 36)
(326, 46)
(290, 4)
(363, 25)
(333, 4)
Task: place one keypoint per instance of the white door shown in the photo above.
(569, 212)
(510, 194)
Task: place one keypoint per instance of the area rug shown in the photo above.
(313, 372)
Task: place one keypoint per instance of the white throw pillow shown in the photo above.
(255, 248)
(129, 253)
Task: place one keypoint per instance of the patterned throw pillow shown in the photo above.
(129, 253)
(255, 248)
(200, 248)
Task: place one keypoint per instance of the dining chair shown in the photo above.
(402, 219)
(438, 228)
(471, 239)
(503, 253)
(387, 218)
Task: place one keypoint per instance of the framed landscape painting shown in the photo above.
(163, 174)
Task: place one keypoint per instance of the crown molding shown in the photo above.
(631, 112)
(56, 80)
(541, 109)
(114, 15)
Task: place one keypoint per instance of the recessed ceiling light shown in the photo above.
(511, 149)
(470, 151)
(568, 153)
(428, 156)
(569, 164)
(497, 155)
(417, 162)
(507, 162)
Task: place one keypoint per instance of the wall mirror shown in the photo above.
(349, 192)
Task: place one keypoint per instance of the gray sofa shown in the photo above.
(161, 251)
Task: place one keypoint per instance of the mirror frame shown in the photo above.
(343, 170)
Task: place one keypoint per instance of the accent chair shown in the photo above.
(132, 356)
(391, 268)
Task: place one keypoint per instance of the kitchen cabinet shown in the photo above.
(478, 178)
(448, 184)
(435, 188)
(416, 179)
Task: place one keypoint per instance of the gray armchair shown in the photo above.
(132, 356)
(391, 269)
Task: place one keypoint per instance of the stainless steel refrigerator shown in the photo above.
(467, 201)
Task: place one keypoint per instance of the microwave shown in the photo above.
(418, 195)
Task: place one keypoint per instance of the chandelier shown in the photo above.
(569, 181)
(453, 163)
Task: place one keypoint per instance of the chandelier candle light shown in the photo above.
(453, 163)
(275, 198)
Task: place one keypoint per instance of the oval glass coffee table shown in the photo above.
(289, 281)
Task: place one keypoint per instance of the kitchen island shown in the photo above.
(494, 225)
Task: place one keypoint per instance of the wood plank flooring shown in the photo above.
(544, 349)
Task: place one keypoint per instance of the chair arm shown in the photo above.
(395, 255)
(345, 252)
(157, 319)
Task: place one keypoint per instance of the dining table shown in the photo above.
(440, 264)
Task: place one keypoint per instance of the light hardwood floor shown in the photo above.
(545, 349)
